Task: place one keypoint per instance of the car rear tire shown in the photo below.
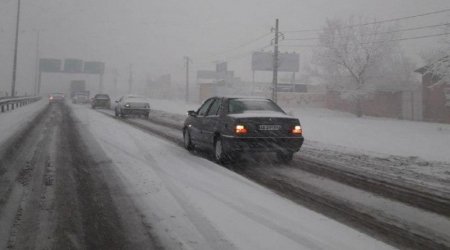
(187, 140)
(285, 157)
(219, 155)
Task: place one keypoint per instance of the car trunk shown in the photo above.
(268, 127)
(102, 102)
(138, 105)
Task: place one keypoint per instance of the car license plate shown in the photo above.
(269, 127)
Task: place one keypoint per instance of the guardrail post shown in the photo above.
(15, 103)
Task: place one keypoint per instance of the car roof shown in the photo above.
(243, 97)
(135, 96)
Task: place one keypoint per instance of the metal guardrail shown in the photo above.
(7, 104)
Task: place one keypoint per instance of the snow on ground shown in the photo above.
(369, 135)
(13, 121)
(430, 141)
(192, 203)
(171, 106)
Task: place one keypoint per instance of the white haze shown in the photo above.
(155, 35)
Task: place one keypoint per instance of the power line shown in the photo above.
(248, 52)
(244, 54)
(301, 31)
(236, 56)
(381, 21)
(318, 30)
(417, 28)
(252, 41)
(241, 45)
(409, 38)
(410, 17)
(383, 32)
(419, 37)
(299, 45)
(393, 40)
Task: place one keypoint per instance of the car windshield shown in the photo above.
(237, 106)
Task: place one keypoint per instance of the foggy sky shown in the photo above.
(155, 35)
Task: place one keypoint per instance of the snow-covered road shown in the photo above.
(192, 203)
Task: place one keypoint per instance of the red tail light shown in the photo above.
(297, 130)
(240, 130)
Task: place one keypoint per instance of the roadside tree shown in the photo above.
(350, 53)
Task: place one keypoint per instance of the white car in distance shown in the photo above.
(132, 105)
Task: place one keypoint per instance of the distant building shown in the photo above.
(436, 94)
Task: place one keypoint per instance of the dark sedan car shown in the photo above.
(230, 126)
(101, 101)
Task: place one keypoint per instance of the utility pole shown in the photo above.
(188, 60)
(275, 64)
(115, 75)
(100, 83)
(36, 74)
(16, 43)
(130, 80)
(39, 82)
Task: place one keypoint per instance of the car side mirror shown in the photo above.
(192, 113)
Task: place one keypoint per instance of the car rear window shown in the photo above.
(237, 106)
(101, 97)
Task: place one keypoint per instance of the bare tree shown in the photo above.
(438, 60)
(349, 52)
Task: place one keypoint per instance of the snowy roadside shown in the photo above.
(372, 135)
(341, 131)
(192, 203)
(14, 121)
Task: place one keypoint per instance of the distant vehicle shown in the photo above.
(77, 86)
(132, 105)
(81, 97)
(101, 101)
(56, 98)
(230, 126)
